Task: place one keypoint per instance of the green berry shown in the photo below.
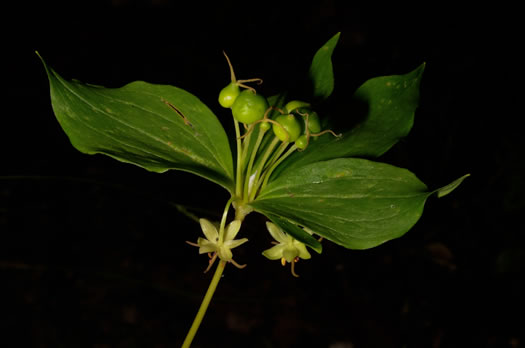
(249, 107)
(301, 142)
(314, 124)
(289, 130)
(228, 95)
(265, 126)
(294, 104)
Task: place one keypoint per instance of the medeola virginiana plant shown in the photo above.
(312, 182)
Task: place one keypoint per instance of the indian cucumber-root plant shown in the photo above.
(290, 163)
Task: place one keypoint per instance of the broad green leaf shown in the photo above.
(156, 127)
(321, 70)
(356, 203)
(387, 105)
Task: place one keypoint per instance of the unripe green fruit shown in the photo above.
(301, 142)
(314, 124)
(228, 95)
(294, 104)
(289, 130)
(249, 107)
(265, 126)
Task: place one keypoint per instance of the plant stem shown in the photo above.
(252, 159)
(223, 219)
(204, 305)
(270, 170)
(245, 147)
(276, 154)
(238, 179)
(261, 165)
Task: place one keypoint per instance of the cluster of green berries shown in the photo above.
(291, 129)
(296, 124)
(247, 106)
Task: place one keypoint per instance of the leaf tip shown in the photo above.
(445, 190)
(422, 67)
(330, 44)
(40, 56)
(49, 71)
(417, 73)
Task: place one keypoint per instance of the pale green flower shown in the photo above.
(287, 248)
(213, 244)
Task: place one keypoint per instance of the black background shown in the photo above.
(92, 251)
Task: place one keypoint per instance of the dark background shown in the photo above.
(92, 251)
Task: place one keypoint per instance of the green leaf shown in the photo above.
(356, 203)
(321, 70)
(386, 106)
(445, 190)
(156, 127)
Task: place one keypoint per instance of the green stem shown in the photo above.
(238, 179)
(245, 148)
(204, 305)
(223, 220)
(214, 281)
(260, 167)
(252, 159)
(276, 154)
(270, 170)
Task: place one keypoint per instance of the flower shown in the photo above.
(287, 248)
(213, 243)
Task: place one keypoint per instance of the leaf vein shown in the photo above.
(185, 128)
(197, 159)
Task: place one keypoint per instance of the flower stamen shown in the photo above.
(237, 265)
(211, 262)
(293, 267)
